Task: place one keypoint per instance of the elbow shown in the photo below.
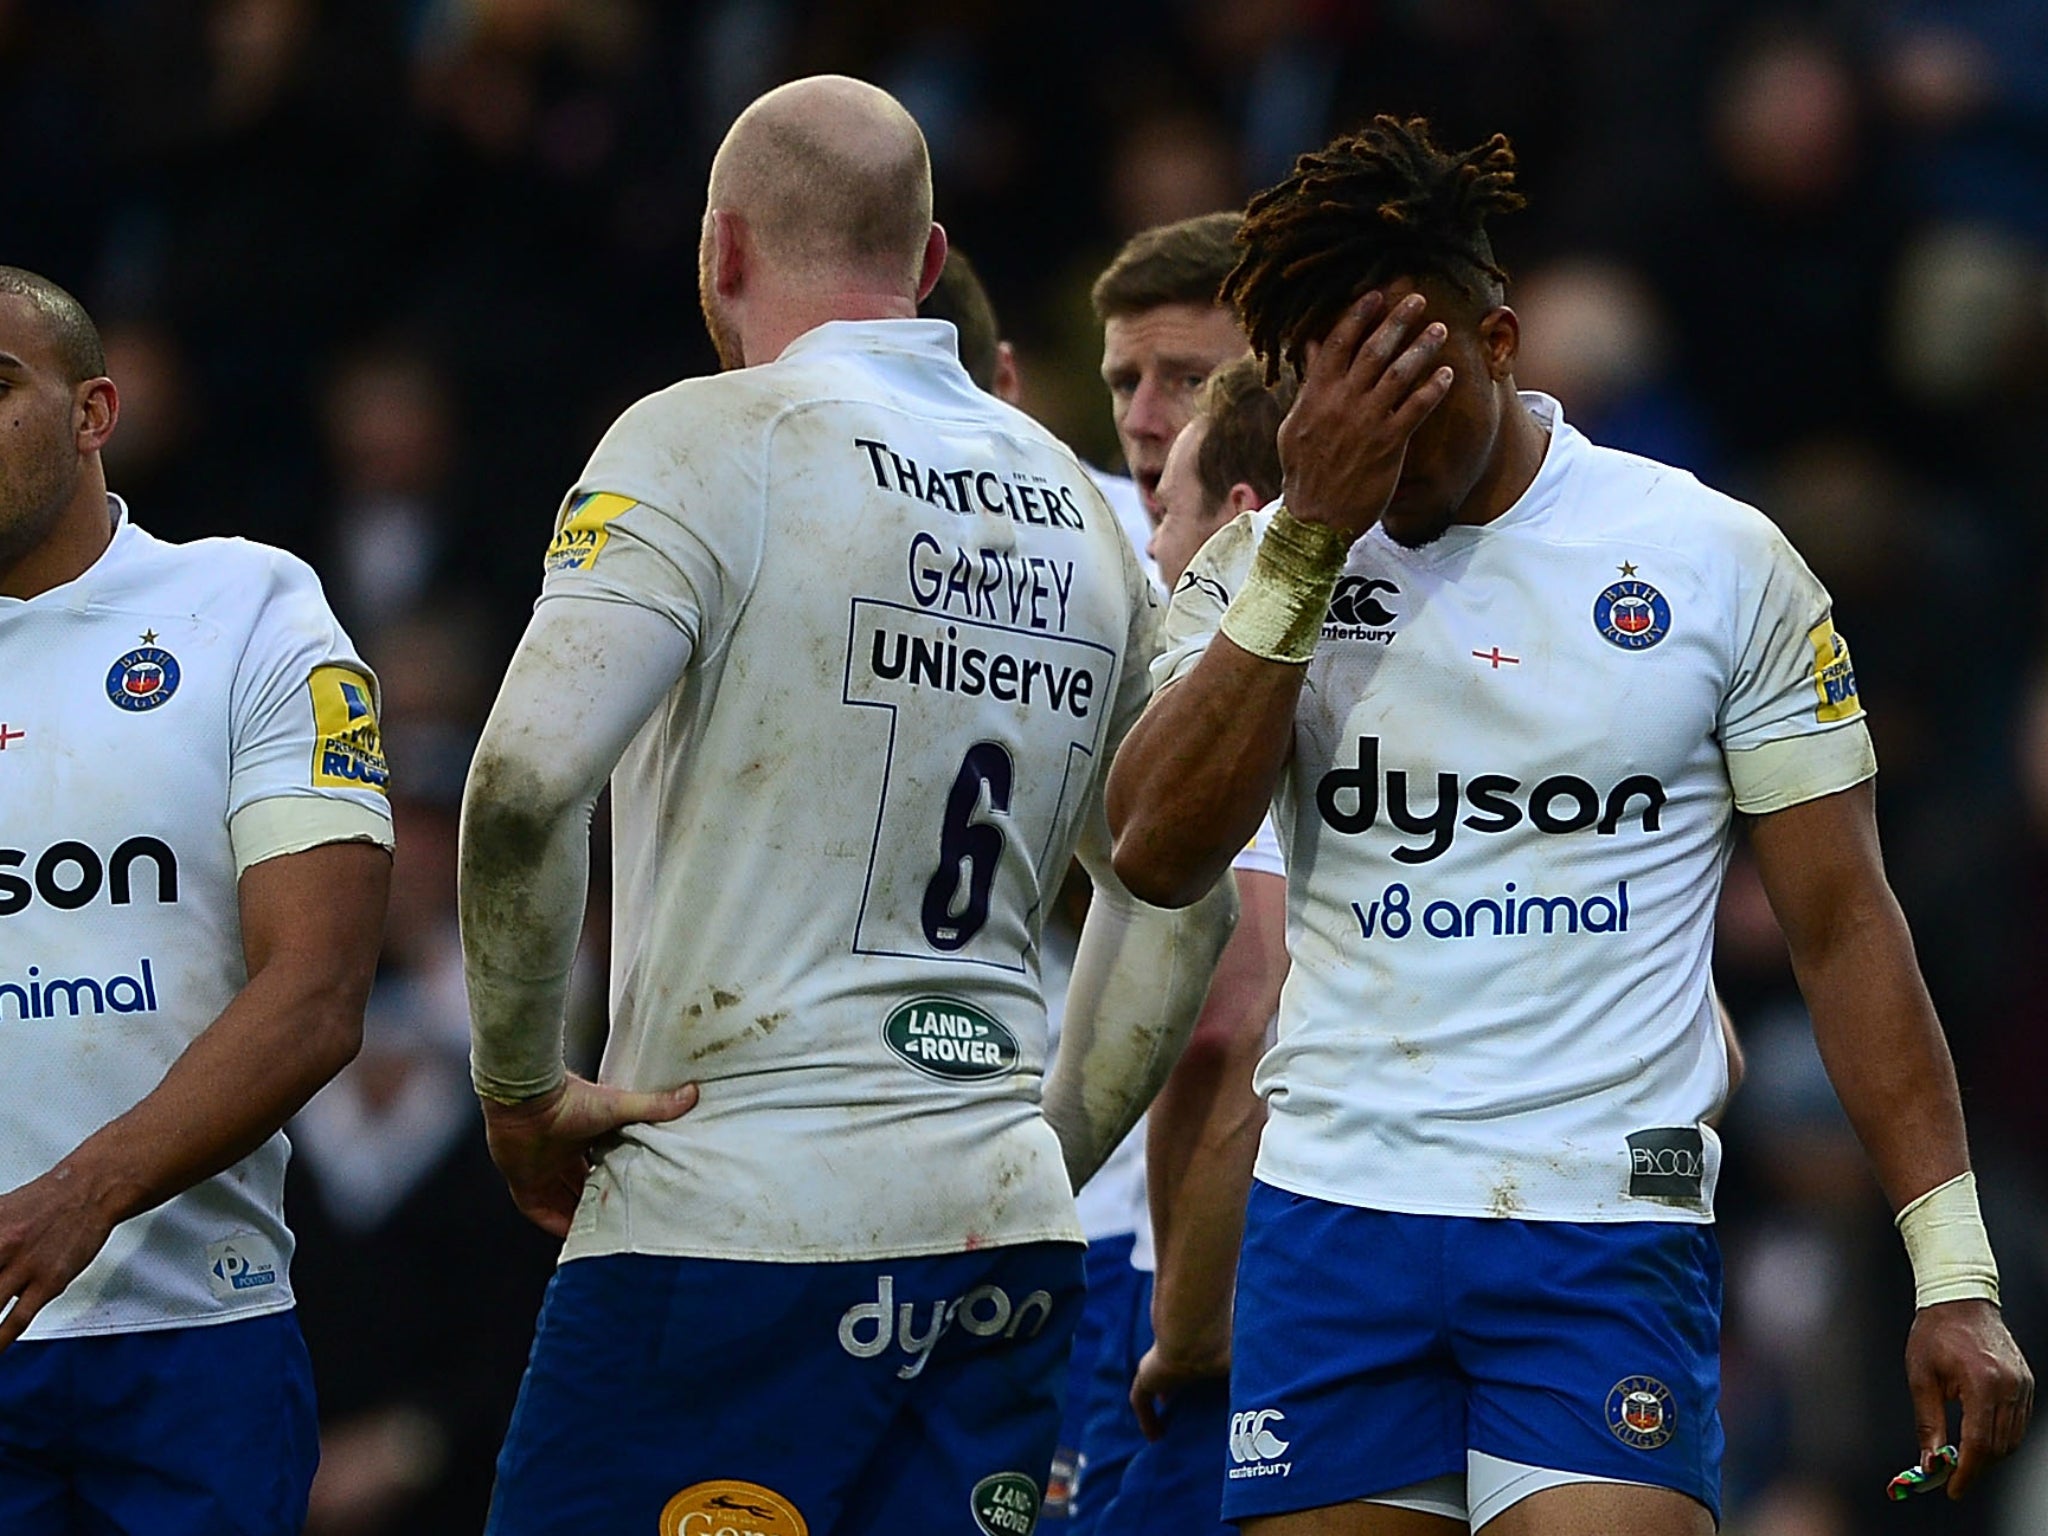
(510, 807)
(1149, 871)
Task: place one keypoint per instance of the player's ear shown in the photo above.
(1242, 498)
(1009, 380)
(96, 407)
(729, 251)
(934, 260)
(1500, 338)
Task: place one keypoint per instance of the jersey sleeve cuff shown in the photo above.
(1796, 769)
(269, 829)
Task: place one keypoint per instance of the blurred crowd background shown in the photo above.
(374, 275)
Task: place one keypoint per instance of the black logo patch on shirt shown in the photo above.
(1668, 1163)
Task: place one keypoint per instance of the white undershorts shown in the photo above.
(1487, 1487)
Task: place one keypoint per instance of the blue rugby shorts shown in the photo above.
(668, 1395)
(1373, 1349)
(206, 1431)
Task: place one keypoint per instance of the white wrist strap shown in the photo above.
(1947, 1244)
(1278, 613)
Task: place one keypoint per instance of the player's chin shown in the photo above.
(1412, 521)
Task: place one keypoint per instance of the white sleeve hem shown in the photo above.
(271, 828)
(1795, 769)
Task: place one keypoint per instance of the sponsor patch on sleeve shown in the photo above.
(1834, 674)
(348, 746)
(581, 537)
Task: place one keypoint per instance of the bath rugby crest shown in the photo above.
(144, 678)
(1632, 614)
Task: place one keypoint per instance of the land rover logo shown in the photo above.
(1006, 1504)
(944, 1037)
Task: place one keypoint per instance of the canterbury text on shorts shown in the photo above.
(883, 1395)
(1372, 1349)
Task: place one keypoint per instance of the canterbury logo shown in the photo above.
(1251, 1440)
(1356, 602)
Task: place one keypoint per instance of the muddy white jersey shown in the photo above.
(173, 707)
(917, 636)
(1516, 761)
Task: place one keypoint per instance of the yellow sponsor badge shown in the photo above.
(726, 1507)
(348, 747)
(1834, 675)
(581, 537)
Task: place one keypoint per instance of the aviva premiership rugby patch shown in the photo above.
(348, 748)
(1834, 675)
(728, 1507)
(581, 537)
(944, 1037)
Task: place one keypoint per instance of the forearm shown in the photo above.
(296, 1023)
(585, 678)
(525, 873)
(1202, 1138)
(1197, 772)
(1139, 979)
(1883, 1046)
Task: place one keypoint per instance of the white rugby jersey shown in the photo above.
(917, 637)
(169, 692)
(1128, 503)
(1516, 759)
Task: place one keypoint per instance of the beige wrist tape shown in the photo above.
(1946, 1241)
(1279, 612)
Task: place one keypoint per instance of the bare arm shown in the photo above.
(312, 924)
(1201, 1139)
(1889, 1061)
(1197, 772)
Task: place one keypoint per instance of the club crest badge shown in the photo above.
(1641, 1413)
(1632, 614)
(143, 679)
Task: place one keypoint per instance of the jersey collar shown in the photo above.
(1561, 457)
(934, 338)
(77, 592)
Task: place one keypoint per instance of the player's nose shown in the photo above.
(1150, 415)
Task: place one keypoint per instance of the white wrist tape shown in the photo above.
(1279, 611)
(1949, 1249)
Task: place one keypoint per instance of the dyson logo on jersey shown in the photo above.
(868, 1328)
(35, 996)
(1562, 803)
(69, 874)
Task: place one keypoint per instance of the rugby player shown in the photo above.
(1506, 692)
(1203, 1128)
(194, 859)
(1164, 333)
(859, 641)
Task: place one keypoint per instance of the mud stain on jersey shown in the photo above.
(1507, 1195)
(724, 999)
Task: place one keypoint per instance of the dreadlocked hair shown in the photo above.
(1373, 205)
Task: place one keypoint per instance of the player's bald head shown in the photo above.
(829, 173)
